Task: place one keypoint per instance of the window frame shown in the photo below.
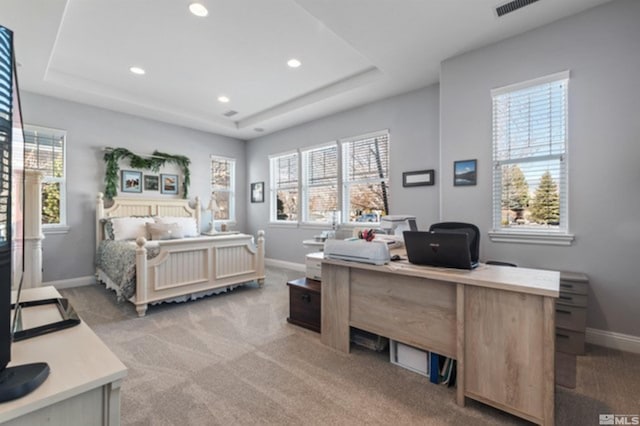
(231, 190)
(62, 226)
(305, 185)
(561, 235)
(342, 210)
(273, 190)
(345, 183)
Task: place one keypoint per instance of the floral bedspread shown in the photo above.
(117, 259)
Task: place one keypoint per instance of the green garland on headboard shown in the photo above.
(153, 162)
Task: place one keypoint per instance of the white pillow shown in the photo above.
(188, 224)
(164, 231)
(130, 228)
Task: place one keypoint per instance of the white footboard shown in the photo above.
(194, 267)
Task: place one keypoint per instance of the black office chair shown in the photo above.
(470, 229)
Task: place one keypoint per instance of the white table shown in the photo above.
(83, 387)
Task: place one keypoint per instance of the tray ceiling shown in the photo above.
(352, 52)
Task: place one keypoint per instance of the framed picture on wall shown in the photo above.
(418, 178)
(168, 184)
(151, 183)
(465, 172)
(131, 181)
(257, 192)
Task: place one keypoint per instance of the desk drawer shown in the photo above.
(574, 287)
(572, 299)
(568, 341)
(574, 282)
(571, 317)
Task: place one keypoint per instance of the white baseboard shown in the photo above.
(610, 339)
(300, 267)
(72, 282)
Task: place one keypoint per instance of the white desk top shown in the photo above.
(78, 360)
(522, 280)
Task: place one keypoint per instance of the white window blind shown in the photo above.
(284, 187)
(365, 161)
(320, 183)
(530, 156)
(223, 187)
(44, 150)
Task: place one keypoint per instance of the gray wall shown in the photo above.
(412, 120)
(601, 49)
(89, 129)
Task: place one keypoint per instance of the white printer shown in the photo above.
(373, 252)
(394, 226)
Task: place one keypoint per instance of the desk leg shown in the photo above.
(549, 359)
(460, 344)
(335, 307)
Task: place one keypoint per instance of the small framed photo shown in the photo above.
(465, 172)
(131, 181)
(257, 192)
(418, 178)
(151, 183)
(168, 184)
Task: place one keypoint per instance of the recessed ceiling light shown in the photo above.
(223, 99)
(294, 63)
(137, 70)
(198, 10)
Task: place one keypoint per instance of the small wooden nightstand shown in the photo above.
(304, 303)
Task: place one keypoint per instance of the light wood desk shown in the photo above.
(497, 322)
(83, 387)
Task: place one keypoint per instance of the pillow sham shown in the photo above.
(130, 228)
(188, 224)
(164, 231)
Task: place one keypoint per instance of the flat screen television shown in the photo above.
(15, 381)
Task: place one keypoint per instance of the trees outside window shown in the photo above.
(530, 156)
(223, 186)
(45, 151)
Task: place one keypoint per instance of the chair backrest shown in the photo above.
(471, 230)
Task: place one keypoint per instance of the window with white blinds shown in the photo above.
(44, 150)
(284, 187)
(530, 156)
(320, 184)
(365, 177)
(223, 172)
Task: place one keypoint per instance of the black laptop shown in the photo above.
(446, 249)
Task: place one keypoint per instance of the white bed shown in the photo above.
(186, 268)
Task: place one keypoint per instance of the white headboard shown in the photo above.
(134, 206)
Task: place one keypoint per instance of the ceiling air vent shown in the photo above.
(230, 113)
(258, 129)
(513, 6)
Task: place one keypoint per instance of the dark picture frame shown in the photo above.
(465, 172)
(131, 181)
(257, 192)
(168, 184)
(151, 183)
(419, 178)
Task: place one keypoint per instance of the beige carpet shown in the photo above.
(233, 359)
